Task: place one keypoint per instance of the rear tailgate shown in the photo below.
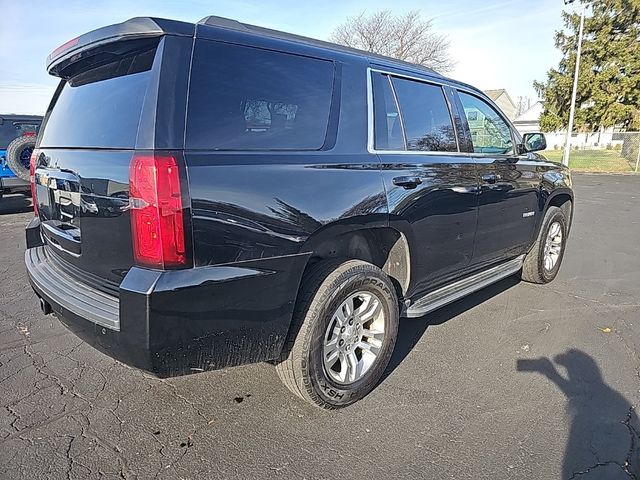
(82, 200)
(104, 110)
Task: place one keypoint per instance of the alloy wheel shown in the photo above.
(552, 246)
(354, 337)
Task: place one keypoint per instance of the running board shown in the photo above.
(454, 291)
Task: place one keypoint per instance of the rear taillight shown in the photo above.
(32, 178)
(157, 211)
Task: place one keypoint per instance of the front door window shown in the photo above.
(489, 132)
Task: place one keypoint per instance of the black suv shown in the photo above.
(214, 194)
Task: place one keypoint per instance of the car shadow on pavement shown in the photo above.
(411, 330)
(15, 204)
(604, 433)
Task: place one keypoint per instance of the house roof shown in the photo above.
(532, 115)
(497, 93)
(494, 94)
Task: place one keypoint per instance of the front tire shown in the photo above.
(342, 335)
(542, 263)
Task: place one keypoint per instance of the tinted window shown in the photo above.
(489, 132)
(244, 98)
(425, 115)
(386, 120)
(12, 129)
(100, 107)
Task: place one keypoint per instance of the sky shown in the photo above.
(495, 44)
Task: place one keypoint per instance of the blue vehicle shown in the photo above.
(17, 137)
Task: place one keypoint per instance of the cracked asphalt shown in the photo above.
(516, 381)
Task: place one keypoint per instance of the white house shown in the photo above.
(529, 121)
(504, 101)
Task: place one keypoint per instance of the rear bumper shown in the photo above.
(14, 184)
(176, 322)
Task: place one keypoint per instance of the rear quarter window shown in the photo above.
(245, 98)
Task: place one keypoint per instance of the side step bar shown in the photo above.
(454, 291)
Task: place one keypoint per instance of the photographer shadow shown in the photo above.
(604, 435)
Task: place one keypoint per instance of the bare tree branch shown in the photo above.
(406, 37)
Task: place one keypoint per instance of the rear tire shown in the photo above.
(18, 153)
(542, 263)
(350, 305)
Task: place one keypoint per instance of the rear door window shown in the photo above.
(245, 98)
(425, 116)
(388, 133)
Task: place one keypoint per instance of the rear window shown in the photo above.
(100, 107)
(244, 98)
(12, 129)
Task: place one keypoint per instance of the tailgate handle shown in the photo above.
(407, 182)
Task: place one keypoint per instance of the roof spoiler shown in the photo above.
(139, 27)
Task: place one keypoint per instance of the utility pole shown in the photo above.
(572, 111)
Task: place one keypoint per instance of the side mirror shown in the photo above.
(533, 142)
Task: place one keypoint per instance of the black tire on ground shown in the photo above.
(325, 286)
(16, 154)
(533, 269)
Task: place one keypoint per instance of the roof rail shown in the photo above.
(222, 22)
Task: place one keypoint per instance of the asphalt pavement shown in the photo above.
(516, 381)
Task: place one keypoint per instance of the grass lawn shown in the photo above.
(593, 160)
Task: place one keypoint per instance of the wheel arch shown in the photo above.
(563, 199)
(383, 246)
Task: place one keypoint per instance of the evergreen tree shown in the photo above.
(608, 91)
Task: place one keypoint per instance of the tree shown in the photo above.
(407, 37)
(522, 105)
(608, 91)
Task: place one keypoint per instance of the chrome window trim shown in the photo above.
(454, 86)
(370, 113)
(370, 131)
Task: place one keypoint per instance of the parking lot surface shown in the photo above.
(516, 381)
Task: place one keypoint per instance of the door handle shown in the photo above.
(407, 182)
(490, 178)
